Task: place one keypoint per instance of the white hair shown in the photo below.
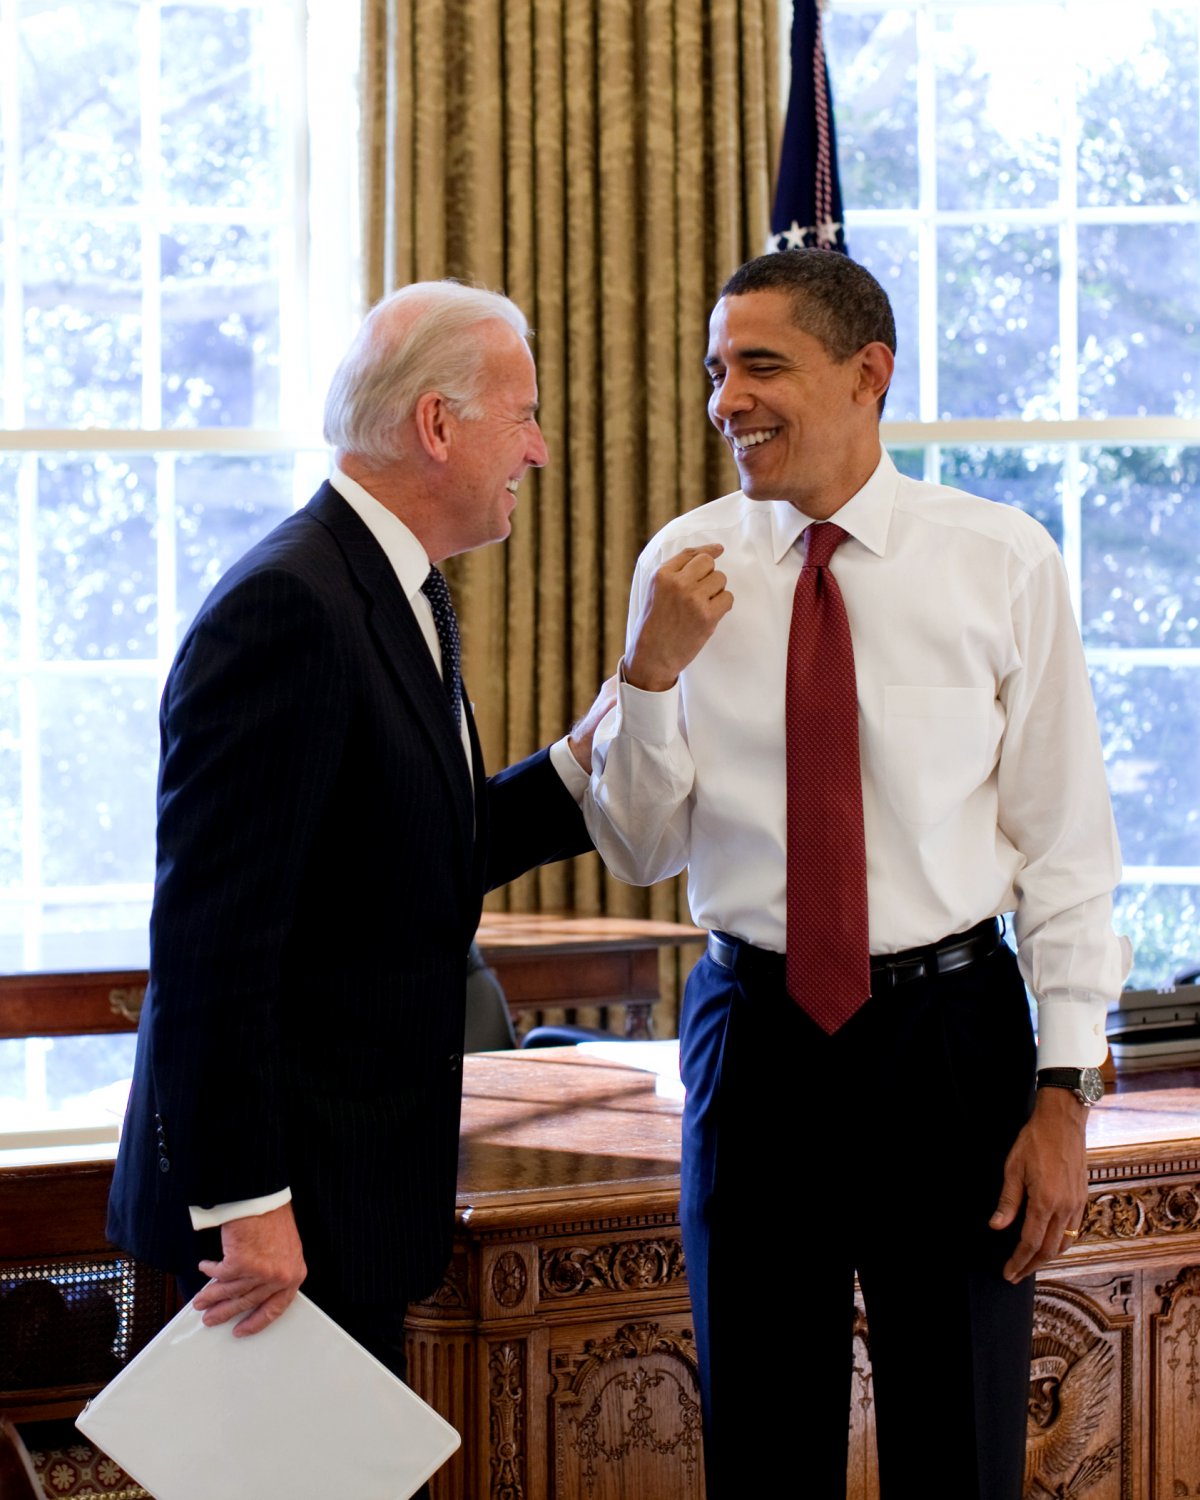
(393, 361)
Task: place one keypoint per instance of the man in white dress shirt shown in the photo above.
(909, 1145)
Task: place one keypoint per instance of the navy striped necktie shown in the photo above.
(437, 591)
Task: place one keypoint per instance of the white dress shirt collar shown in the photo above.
(409, 560)
(866, 516)
(410, 563)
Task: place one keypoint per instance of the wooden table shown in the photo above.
(560, 1340)
(542, 961)
(546, 961)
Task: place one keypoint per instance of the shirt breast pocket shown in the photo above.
(936, 748)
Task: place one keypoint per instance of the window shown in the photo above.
(162, 363)
(169, 314)
(1025, 180)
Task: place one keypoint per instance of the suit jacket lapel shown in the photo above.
(402, 647)
(481, 796)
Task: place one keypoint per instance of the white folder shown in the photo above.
(299, 1409)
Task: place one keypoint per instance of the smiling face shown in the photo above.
(801, 426)
(491, 450)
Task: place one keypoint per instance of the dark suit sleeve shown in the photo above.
(252, 726)
(533, 820)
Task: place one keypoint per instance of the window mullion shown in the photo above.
(1160, 875)
(1115, 657)
(1073, 470)
(167, 561)
(28, 695)
(12, 397)
(1068, 326)
(286, 75)
(927, 288)
(1068, 238)
(328, 217)
(150, 35)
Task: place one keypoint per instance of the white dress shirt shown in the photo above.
(983, 784)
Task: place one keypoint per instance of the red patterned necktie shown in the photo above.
(828, 959)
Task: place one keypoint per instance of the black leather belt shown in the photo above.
(956, 952)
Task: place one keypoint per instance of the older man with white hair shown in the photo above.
(326, 831)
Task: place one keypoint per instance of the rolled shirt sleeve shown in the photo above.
(1054, 807)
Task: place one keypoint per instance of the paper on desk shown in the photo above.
(299, 1409)
(659, 1058)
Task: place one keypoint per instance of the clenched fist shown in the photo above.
(685, 604)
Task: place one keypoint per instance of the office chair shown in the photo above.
(489, 1026)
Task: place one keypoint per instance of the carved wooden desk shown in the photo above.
(560, 1341)
(72, 1309)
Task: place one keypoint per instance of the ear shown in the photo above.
(432, 419)
(875, 365)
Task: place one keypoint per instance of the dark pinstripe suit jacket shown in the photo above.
(321, 866)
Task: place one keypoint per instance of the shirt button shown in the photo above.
(455, 1062)
(164, 1164)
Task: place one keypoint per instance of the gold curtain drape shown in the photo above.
(606, 163)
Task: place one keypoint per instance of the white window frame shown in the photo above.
(320, 304)
(1069, 435)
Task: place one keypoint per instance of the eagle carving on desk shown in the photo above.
(1066, 1404)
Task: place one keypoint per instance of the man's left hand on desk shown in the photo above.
(259, 1273)
(1047, 1171)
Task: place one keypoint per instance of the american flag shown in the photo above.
(808, 196)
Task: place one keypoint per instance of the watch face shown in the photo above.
(1091, 1085)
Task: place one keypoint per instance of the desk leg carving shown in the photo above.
(1080, 1397)
(862, 1479)
(1080, 1433)
(506, 1369)
(627, 1414)
(1175, 1344)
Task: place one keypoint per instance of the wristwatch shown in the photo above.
(1085, 1083)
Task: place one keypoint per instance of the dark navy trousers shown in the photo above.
(877, 1151)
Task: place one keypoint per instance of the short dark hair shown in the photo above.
(835, 299)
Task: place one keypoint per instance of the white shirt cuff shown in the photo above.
(1071, 1033)
(244, 1208)
(570, 772)
(651, 718)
